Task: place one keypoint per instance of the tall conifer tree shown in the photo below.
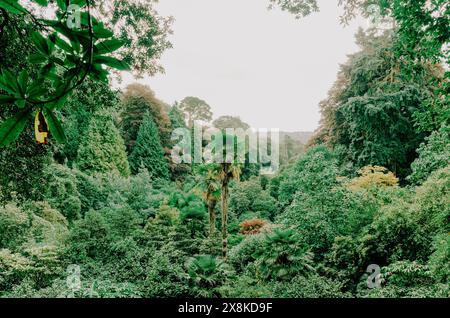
(148, 151)
(102, 149)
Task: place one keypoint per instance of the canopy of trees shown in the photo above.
(225, 122)
(137, 100)
(195, 109)
(371, 188)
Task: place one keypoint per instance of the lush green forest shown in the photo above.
(92, 204)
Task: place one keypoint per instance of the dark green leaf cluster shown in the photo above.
(64, 56)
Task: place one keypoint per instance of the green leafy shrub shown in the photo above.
(109, 289)
(207, 273)
(47, 264)
(439, 261)
(243, 253)
(432, 201)
(47, 224)
(89, 238)
(165, 275)
(141, 196)
(62, 192)
(405, 279)
(406, 274)
(323, 215)
(14, 224)
(344, 261)
(432, 291)
(282, 258)
(434, 154)
(394, 236)
(315, 172)
(194, 217)
(158, 229)
(89, 98)
(245, 285)
(90, 191)
(313, 286)
(249, 197)
(122, 221)
(13, 268)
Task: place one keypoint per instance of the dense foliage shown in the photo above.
(107, 214)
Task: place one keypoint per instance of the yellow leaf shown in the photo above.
(41, 129)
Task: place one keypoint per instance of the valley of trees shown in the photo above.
(99, 189)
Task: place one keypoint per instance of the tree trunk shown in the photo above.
(224, 220)
(212, 217)
(225, 210)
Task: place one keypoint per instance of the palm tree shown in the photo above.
(193, 216)
(207, 273)
(282, 257)
(228, 172)
(211, 192)
(223, 172)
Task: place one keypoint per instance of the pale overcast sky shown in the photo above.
(261, 65)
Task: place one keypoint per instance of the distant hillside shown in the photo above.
(292, 145)
(300, 136)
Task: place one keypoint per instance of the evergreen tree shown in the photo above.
(88, 99)
(137, 101)
(102, 149)
(176, 117)
(148, 152)
(177, 120)
(371, 94)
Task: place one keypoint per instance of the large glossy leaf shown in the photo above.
(10, 81)
(35, 90)
(4, 99)
(12, 6)
(62, 4)
(20, 103)
(40, 43)
(80, 3)
(43, 3)
(112, 62)
(37, 58)
(57, 104)
(23, 81)
(4, 85)
(108, 46)
(55, 126)
(11, 129)
(62, 100)
(101, 32)
(63, 45)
